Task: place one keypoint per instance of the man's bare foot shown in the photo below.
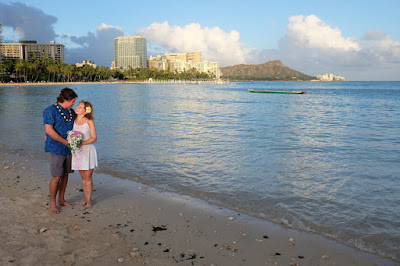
(83, 203)
(64, 203)
(54, 208)
(88, 205)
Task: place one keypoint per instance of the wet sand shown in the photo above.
(132, 224)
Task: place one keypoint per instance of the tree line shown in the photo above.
(49, 70)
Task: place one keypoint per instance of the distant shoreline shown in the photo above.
(216, 82)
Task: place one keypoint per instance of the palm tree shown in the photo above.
(3, 69)
(68, 71)
(18, 67)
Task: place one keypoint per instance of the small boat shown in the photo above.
(277, 91)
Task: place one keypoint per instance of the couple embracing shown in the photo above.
(59, 118)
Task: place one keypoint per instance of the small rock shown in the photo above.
(135, 249)
(231, 218)
(135, 254)
(325, 257)
(44, 229)
(121, 260)
(291, 240)
(6, 167)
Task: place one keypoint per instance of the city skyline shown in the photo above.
(357, 40)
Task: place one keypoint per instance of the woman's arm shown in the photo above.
(54, 135)
(93, 134)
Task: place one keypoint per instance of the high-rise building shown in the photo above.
(30, 50)
(1, 56)
(130, 51)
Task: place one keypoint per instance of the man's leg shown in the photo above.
(62, 186)
(54, 184)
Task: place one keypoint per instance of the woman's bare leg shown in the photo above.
(87, 185)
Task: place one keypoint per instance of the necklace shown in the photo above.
(70, 114)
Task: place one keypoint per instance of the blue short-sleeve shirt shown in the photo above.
(52, 116)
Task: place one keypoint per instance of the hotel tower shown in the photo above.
(130, 51)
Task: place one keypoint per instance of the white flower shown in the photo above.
(88, 110)
(74, 140)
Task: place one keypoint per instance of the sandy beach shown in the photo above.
(131, 224)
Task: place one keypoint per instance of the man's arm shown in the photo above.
(54, 135)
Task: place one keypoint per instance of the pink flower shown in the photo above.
(76, 133)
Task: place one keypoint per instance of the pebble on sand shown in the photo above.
(135, 254)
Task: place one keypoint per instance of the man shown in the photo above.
(58, 119)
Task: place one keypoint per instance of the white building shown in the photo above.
(86, 62)
(330, 77)
(130, 51)
(184, 62)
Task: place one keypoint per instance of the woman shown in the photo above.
(85, 158)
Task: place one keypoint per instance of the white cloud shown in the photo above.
(312, 46)
(104, 26)
(312, 32)
(214, 43)
(386, 49)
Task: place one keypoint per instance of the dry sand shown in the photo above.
(131, 224)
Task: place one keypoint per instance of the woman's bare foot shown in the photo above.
(88, 205)
(83, 203)
(54, 208)
(64, 203)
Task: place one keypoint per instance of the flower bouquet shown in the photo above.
(74, 140)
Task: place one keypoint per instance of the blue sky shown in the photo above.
(359, 40)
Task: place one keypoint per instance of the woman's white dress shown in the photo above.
(85, 157)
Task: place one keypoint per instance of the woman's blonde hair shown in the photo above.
(88, 106)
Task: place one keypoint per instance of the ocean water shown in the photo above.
(327, 161)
